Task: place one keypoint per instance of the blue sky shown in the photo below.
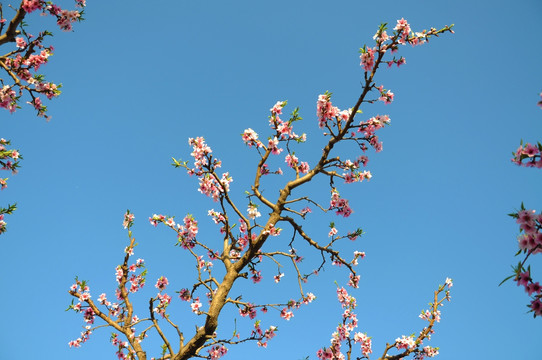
(138, 80)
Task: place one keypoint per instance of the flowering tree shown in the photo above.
(244, 228)
(530, 225)
(25, 55)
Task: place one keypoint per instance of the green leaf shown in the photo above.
(508, 278)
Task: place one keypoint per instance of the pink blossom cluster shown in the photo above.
(369, 127)
(532, 288)
(8, 98)
(252, 210)
(128, 220)
(82, 339)
(354, 174)
(367, 56)
(339, 204)
(344, 330)
(325, 111)
(250, 137)
(402, 28)
(293, 162)
(217, 351)
(272, 230)
(163, 302)
(528, 155)
(384, 42)
(248, 310)
(385, 95)
(196, 305)
(273, 146)
(65, 18)
(186, 232)
(530, 224)
(530, 243)
(365, 343)
(405, 342)
(122, 347)
(256, 275)
(287, 312)
(9, 160)
(204, 167)
(284, 129)
(264, 336)
(161, 283)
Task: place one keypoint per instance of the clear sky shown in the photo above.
(140, 77)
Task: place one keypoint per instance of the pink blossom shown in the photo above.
(291, 160)
(367, 58)
(536, 306)
(161, 283)
(272, 146)
(533, 288)
(523, 278)
(184, 294)
(31, 5)
(325, 110)
(365, 343)
(196, 305)
(102, 299)
(21, 43)
(277, 108)
(430, 351)
(128, 219)
(304, 167)
(354, 281)
(405, 342)
(339, 204)
(286, 315)
(248, 310)
(253, 211)
(250, 137)
(66, 18)
(217, 351)
(256, 276)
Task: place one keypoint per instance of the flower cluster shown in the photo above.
(263, 336)
(250, 137)
(339, 204)
(528, 155)
(385, 95)
(217, 351)
(344, 330)
(293, 162)
(369, 127)
(205, 166)
(128, 220)
(530, 243)
(9, 161)
(283, 128)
